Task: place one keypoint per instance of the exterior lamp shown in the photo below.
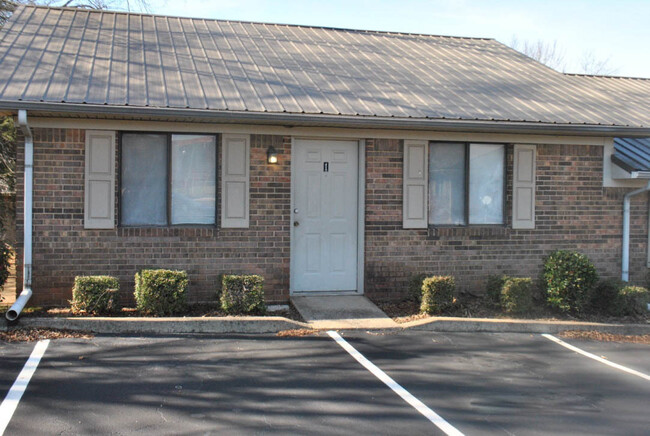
(272, 156)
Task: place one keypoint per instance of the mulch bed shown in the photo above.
(195, 310)
(37, 334)
(605, 337)
(296, 333)
(471, 306)
(467, 306)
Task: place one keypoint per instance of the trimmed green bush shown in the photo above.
(161, 291)
(517, 295)
(437, 294)
(633, 300)
(94, 295)
(568, 277)
(242, 294)
(415, 286)
(493, 287)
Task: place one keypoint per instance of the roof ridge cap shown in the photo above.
(304, 26)
(606, 76)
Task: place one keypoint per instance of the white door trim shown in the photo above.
(361, 217)
(361, 214)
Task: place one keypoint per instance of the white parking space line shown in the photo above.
(10, 403)
(399, 390)
(596, 358)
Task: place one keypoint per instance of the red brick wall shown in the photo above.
(574, 211)
(64, 249)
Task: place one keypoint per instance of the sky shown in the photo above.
(616, 31)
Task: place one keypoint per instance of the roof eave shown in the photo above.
(640, 175)
(323, 120)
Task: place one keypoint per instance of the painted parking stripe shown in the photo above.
(596, 358)
(9, 404)
(399, 390)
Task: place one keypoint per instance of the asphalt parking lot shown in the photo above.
(477, 383)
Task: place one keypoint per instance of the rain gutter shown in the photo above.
(325, 120)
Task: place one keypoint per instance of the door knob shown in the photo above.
(296, 223)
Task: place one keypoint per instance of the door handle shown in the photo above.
(296, 223)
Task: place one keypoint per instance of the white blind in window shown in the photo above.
(144, 180)
(193, 179)
(447, 184)
(486, 163)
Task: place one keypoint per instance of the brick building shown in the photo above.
(326, 160)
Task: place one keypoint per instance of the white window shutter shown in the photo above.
(235, 152)
(414, 214)
(523, 187)
(99, 186)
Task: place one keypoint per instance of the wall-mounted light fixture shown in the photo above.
(272, 155)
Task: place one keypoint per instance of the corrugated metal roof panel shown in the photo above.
(633, 154)
(112, 58)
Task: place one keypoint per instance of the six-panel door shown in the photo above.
(324, 216)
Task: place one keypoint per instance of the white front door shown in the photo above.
(324, 216)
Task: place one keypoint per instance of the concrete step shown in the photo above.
(341, 312)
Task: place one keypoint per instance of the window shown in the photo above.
(168, 179)
(466, 183)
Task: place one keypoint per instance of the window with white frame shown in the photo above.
(168, 179)
(466, 183)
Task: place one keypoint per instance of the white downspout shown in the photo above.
(625, 267)
(14, 312)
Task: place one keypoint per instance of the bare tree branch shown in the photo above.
(590, 65)
(551, 55)
(7, 6)
(6, 9)
(546, 53)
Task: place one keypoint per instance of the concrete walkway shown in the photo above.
(341, 312)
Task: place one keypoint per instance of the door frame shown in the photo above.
(361, 215)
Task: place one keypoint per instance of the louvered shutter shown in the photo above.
(414, 214)
(99, 186)
(523, 187)
(235, 181)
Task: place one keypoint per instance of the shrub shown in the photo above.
(94, 294)
(415, 286)
(517, 295)
(5, 255)
(437, 294)
(568, 278)
(633, 300)
(494, 285)
(604, 298)
(242, 294)
(161, 291)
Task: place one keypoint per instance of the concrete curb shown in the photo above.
(520, 326)
(246, 324)
(258, 324)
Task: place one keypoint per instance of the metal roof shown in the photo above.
(632, 154)
(57, 57)
(627, 89)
